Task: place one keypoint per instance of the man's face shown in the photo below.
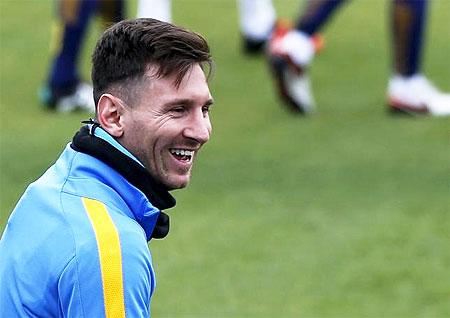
(167, 126)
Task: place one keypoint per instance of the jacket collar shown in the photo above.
(86, 142)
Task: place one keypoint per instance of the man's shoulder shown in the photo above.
(91, 217)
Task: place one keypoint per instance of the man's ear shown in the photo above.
(109, 112)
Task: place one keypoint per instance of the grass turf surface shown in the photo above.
(342, 214)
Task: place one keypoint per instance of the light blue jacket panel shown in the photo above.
(49, 258)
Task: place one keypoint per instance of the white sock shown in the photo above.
(156, 9)
(299, 46)
(256, 18)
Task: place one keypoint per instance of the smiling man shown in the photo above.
(167, 137)
(76, 243)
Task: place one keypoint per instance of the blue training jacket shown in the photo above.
(76, 243)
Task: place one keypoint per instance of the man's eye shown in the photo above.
(205, 109)
(178, 110)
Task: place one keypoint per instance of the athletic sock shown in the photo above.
(256, 19)
(156, 9)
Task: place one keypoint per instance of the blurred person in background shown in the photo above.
(76, 244)
(291, 51)
(65, 90)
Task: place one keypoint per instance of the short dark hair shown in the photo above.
(126, 50)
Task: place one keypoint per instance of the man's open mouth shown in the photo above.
(182, 154)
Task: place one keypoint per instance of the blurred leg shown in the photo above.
(316, 14)
(291, 51)
(111, 11)
(408, 21)
(408, 90)
(73, 18)
(256, 21)
(156, 9)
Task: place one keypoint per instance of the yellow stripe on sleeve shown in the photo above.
(110, 257)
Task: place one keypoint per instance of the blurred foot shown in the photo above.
(252, 46)
(80, 98)
(294, 88)
(417, 95)
(289, 53)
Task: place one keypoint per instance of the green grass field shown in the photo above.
(342, 214)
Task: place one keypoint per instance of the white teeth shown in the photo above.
(182, 152)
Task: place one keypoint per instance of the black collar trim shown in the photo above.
(86, 142)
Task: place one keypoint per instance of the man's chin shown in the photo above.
(177, 183)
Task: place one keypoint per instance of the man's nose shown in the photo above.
(198, 128)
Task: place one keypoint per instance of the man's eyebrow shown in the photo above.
(187, 101)
(209, 102)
